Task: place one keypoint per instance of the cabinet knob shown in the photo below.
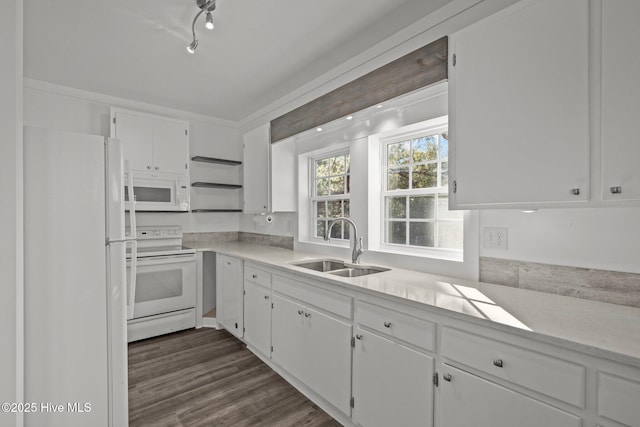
(149, 167)
(447, 377)
(300, 312)
(307, 315)
(255, 276)
(615, 190)
(358, 336)
(387, 324)
(266, 297)
(157, 168)
(498, 363)
(575, 191)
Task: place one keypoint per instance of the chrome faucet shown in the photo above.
(357, 242)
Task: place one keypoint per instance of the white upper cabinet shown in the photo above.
(152, 144)
(519, 107)
(269, 172)
(620, 100)
(256, 170)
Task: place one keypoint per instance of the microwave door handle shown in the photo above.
(132, 278)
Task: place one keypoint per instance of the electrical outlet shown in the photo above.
(495, 237)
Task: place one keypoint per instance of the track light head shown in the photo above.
(209, 24)
(192, 47)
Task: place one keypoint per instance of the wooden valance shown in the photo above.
(415, 70)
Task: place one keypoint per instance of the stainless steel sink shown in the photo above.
(357, 271)
(322, 265)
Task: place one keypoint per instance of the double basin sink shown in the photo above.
(339, 268)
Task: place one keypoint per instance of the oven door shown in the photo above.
(164, 284)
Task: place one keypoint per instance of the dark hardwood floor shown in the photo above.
(206, 377)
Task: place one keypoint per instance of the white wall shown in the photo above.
(11, 225)
(61, 108)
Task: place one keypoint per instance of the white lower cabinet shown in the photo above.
(392, 384)
(468, 400)
(257, 317)
(229, 310)
(315, 348)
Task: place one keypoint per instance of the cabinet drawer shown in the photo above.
(618, 399)
(548, 375)
(419, 332)
(308, 294)
(257, 276)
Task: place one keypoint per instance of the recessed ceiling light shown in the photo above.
(379, 106)
(319, 129)
(349, 117)
(530, 211)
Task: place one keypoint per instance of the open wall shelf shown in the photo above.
(216, 210)
(205, 159)
(216, 185)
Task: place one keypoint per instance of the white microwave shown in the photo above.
(160, 192)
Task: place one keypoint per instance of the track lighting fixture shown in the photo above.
(205, 6)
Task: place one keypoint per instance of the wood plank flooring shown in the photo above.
(205, 377)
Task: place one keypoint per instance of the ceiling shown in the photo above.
(258, 52)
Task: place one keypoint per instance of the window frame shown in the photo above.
(314, 198)
(436, 127)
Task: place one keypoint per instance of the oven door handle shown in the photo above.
(165, 259)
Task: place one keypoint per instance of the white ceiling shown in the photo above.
(258, 52)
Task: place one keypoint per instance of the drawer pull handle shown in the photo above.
(266, 297)
(307, 315)
(447, 377)
(616, 190)
(255, 276)
(498, 363)
(387, 324)
(358, 336)
(575, 191)
(300, 312)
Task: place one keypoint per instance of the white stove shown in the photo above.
(164, 290)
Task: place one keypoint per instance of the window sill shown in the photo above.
(417, 253)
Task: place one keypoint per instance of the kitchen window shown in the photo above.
(414, 192)
(330, 193)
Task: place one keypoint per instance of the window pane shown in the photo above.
(335, 208)
(338, 165)
(425, 176)
(321, 210)
(397, 232)
(421, 234)
(422, 207)
(322, 187)
(444, 146)
(425, 148)
(398, 154)
(346, 208)
(346, 228)
(396, 207)
(336, 231)
(450, 234)
(337, 185)
(320, 228)
(443, 208)
(322, 167)
(398, 179)
(444, 175)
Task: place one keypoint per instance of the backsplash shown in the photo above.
(598, 285)
(238, 236)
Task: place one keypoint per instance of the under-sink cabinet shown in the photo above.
(392, 382)
(257, 309)
(312, 340)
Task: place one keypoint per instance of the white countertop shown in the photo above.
(602, 329)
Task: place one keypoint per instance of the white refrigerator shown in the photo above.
(75, 284)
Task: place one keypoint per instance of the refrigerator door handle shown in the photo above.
(132, 241)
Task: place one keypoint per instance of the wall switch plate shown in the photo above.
(495, 237)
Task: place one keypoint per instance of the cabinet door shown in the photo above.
(467, 400)
(620, 99)
(328, 367)
(519, 107)
(392, 384)
(288, 336)
(257, 317)
(256, 184)
(136, 134)
(170, 146)
(229, 312)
